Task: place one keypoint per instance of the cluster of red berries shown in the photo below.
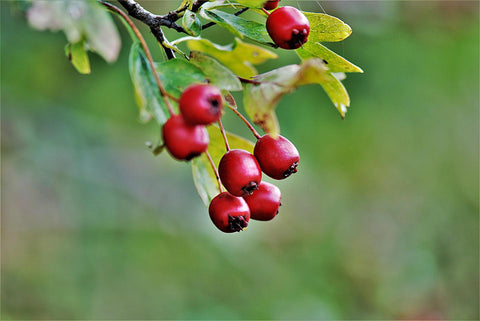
(287, 26)
(240, 172)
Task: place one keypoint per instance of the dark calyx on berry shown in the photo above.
(229, 213)
(299, 37)
(201, 104)
(239, 172)
(277, 157)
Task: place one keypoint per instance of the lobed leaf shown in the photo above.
(217, 74)
(239, 58)
(324, 27)
(79, 19)
(191, 23)
(334, 62)
(78, 56)
(238, 26)
(260, 100)
(147, 95)
(203, 174)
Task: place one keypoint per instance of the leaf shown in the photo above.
(177, 74)
(238, 26)
(203, 174)
(252, 3)
(77, 54)
(148, 97)
(217, 74)
(239, 58)
(336, 92)
(334, 62)
(326, 28)
(260, 100)
(191, 23)
(79, 19)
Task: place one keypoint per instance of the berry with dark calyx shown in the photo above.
(264, 202)
(229, 213)
(201, 104)
(239, 172)
(270, 4)
(277, 157)
(183, 141)
(288, 27)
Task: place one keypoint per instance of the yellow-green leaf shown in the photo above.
(326, 28)
(217, 74)
(77, 54)
(334, 62)
(203, 174)
(336, 92)
(240, 58)
(260, 100)
(252, 3)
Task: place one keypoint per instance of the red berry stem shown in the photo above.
(137, 33)
(266, 12)
(220, 187)
(255, 133)
(224, 134)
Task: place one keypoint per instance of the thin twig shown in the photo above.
(255, 133)
(222, 130)
(215, 171)
(137, 33)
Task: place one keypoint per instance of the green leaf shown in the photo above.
(238, 26)
(334, 62)
(177, 74)
(252, 3)
(77, 54)
(336, 92)
(260, 100)
(191, 23)
(148, 97)
(239, 58)
(203, 174)
(81, 19)
(326, 28)
(217, 74)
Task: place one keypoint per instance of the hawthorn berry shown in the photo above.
(277, 157)
(288, 27)
(183, 141)
(201, 104)
(239, 172)
(229, 213)
(264, 202)
(270, 4)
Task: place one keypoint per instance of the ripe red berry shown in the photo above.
(239, 172)
(201, 104)
(265, 202)
(278, 157)
(229, 213)
(182, 141)
(270, 4)
(288, 27)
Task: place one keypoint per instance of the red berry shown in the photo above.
(201, 104)
(229, 213)
(184, 142)
(239, 172)
(270, 4)
(288, 27)
(278, 157)
(265, 202)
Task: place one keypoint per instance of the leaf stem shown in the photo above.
(255, 133)
(162, 90)
(222, 130)
(217, 176)
(266, 12)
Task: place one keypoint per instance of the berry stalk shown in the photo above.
(217, 176)
(255, 133)
(222, 130)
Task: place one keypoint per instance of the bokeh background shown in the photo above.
(380, 222)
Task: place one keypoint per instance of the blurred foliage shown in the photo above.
(380, 222)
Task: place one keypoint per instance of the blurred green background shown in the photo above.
(380, 222)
